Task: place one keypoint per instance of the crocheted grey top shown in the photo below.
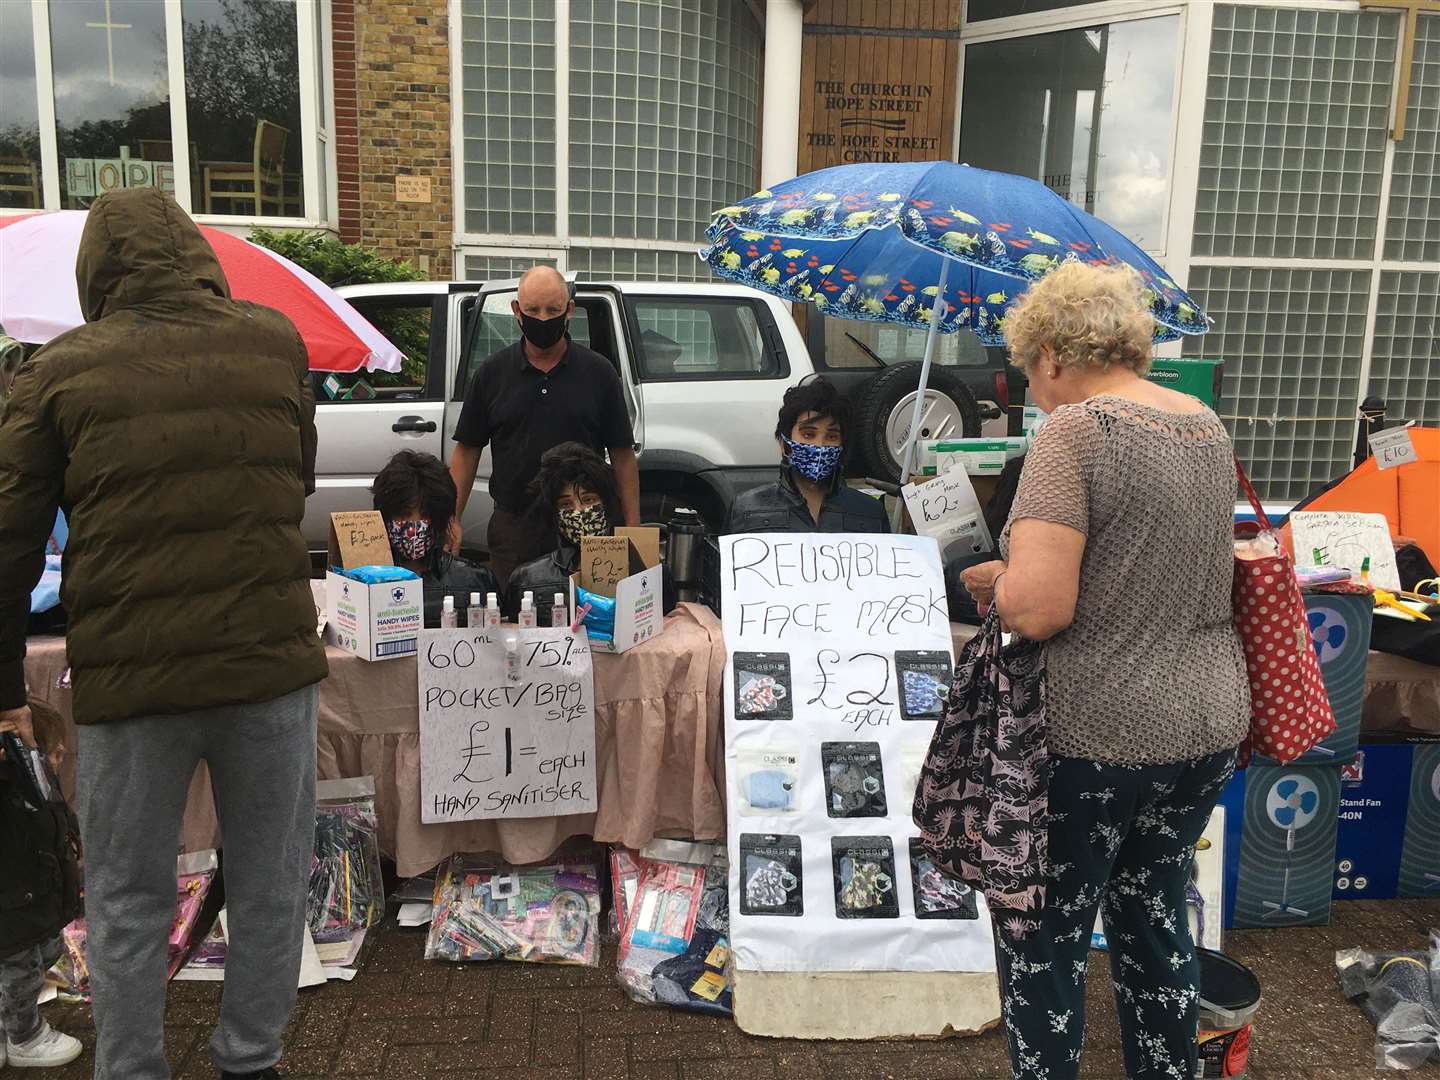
(1151, 670)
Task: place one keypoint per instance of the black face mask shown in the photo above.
(542, 333)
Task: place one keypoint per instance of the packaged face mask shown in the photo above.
(936, 895)
(768, 780)
(762, 686)
(864, 876)
(924, 677)
(770, 875)
(377, 575)
(854, 779)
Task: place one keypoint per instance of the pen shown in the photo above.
(1365, 571)
(579, 618)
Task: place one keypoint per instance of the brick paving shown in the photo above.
(403, 1018)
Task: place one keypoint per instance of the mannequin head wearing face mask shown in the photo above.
(542, 309)
(578, 486)
(811, 431)
(416, 496)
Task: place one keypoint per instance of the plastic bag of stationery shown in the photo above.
(347, 889)
(1400, 993)
(487, 910)
(675, 947)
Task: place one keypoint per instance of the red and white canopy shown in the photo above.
(39, 299)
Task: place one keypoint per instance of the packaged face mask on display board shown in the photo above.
(770, 875)
(854, 779)
(768, 780)
(864, 875)
(924, 677)
(762, 686)
(936, 895)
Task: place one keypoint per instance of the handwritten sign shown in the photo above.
(604, 563)
(839, 663)
(1344, 538)
(646, 539)
(412, 189)
(1393, 447)
(358, 538)
(948, 509)
(507, 724)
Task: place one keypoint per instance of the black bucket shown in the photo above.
(1229, 996)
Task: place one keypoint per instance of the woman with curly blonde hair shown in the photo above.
(1118, 555)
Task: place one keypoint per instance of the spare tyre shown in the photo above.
(885, 407)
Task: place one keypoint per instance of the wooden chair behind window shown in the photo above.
(22, 178)
(260, 183)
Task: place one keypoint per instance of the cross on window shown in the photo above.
(108, 25)
(1411, 10)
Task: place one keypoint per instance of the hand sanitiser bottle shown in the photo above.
(474, 614)
(527, 610)
(558, 615)
(492, 611)
(447, 614)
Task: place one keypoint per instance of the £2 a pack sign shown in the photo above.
(507, 724)
(839, 661)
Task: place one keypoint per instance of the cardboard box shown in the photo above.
(1388, 843)
(979, 457)
(375, 622)
(1280, 826)
(625, 566)
(1341, 627)
(1196, 377)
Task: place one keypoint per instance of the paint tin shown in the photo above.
(1229, 996)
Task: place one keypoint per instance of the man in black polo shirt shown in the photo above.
(542, 391)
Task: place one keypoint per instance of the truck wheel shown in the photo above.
(886, 406)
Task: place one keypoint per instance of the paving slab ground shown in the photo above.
(403, 1018)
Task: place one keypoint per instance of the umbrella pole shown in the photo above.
(908, 459)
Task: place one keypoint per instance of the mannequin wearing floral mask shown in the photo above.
(812, 453)
(412, 541)
(580, 512)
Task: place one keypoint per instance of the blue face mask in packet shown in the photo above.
(600, 619)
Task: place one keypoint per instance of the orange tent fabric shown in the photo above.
(1408, 496)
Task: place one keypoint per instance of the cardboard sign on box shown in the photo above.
(375, 622)
(627, 568)
(1280, 825)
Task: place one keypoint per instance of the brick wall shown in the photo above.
(399, 85)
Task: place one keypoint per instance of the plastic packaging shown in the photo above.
(626, 868)
(559, 613)
(1400, 993)
(674, 946)
(492, 611)
(347, 889)
(448, 619)
(600, 619)
(527, 610)
(377, 575)
(474, 613)
(486, 910)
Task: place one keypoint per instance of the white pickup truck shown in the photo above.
(704, 368)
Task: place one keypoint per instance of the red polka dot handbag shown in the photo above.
(1289, 710)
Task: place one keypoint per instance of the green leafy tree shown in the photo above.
(337, 263)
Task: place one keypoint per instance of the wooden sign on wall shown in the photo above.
(878, 82)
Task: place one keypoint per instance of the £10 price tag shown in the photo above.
(1392, 447)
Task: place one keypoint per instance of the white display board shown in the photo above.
(507, 724)
(837, 646)
(1346, 538)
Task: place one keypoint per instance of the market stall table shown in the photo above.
(1400, 694)
(658, 736)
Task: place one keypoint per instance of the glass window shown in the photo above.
(720, 339)
(19, 118)
(112, 97)
(853, 344)
(978, 10)
(1087, 111)
(242, 98)
(407, 325)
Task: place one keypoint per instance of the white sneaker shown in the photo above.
(45, 1051)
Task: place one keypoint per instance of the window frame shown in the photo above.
(435, 359)
(770, 344)
(314, 45)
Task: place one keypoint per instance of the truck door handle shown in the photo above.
(413, 423)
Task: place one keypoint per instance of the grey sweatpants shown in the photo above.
(132, 780)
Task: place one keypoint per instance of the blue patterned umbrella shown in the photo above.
(932, 245)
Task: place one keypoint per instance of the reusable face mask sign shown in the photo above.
(812, 462)
(770, 875)
(762, 686)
